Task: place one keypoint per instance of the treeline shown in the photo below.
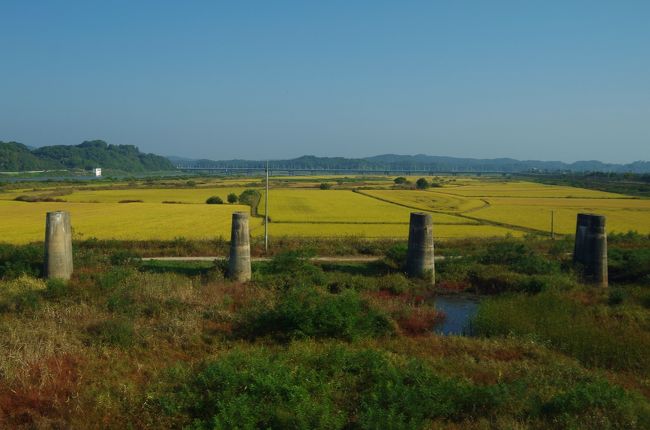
(623, 183)
(423, 163)
(15, 157)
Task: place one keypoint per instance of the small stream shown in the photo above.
(459, 310)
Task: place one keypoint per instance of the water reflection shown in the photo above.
(459, 310)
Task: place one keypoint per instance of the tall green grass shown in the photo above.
(589, 333)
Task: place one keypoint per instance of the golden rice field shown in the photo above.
(338, 206)
(428, 200)
(622, 214)
(462, 207)
(25, 222)
(524, 189)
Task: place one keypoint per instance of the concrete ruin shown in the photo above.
(58, 246)
(420, 257)
(239, 265)
(590, 249)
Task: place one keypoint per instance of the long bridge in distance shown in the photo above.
(303, 171)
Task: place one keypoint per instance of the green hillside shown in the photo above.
(89, 154)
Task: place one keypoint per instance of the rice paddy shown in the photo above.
(356, 206)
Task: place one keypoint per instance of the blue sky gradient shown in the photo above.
(551, 80)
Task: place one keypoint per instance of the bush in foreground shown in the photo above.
(309, 312)
(333, 387)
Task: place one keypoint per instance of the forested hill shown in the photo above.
(424, 162)
(89, 154)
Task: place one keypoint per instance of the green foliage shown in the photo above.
(214, 200)
(309, 312)
(56, 289)
(21, 294)
(395, 283)
(400, 180)
(16, 157)
(334, 387)
(251, 198)
(325, 186)
(98, 153)
(518, 257)
(594, 339)
(17, 260)
(395, 257)
(112, 332)
(629, 265)
(596, 404)
(422, 184)
(232, 198)
(124, 257)
(113, 279)
(616, 297)
(499, 279)
(288, 270)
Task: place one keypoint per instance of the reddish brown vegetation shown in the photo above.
(46, 393)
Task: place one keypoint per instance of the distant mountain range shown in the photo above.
(420, 162)
(97, 153)
(16, 157)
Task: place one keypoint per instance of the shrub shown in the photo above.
(21, 294)
(16, 261)
(593, 338)
(113, 332)
(56, 288)
(616, 297)
(396, 257)
(124, 257)
(629, 265)
(214, 200)
(325, 186)
(252, 199)
(113, 279)
(394, 283)
(232, 198)
(400, 180)
(291, 269)
(596, 404)
(312, 313)
(518, 257)
(422, 184)
(330, 387)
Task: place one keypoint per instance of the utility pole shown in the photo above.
(552, 225)
(266, 212)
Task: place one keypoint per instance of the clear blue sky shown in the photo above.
(552, 80)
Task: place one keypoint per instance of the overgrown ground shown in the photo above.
(132, 344)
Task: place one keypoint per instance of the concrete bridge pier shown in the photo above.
(239, 264)
(58, 246)
(420, 255)
(590, 248)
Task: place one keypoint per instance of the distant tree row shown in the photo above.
(420, 184)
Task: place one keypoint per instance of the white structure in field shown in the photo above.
(97, 171)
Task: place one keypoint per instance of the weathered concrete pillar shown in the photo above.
(239, 265)
(58, 245)
(590, 249)
(420, 258)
